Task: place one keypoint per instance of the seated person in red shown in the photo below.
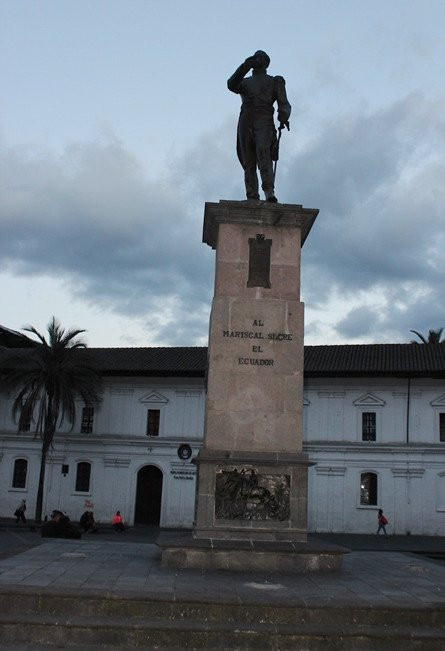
(59, 527)
(118, 523)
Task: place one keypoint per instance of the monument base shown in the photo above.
(188, 552)
(251, 507)
(253, 496)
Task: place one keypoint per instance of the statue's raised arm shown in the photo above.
(257, 143)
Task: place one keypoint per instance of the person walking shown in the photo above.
(20, 513)
(382, 521)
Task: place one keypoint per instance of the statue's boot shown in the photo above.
(270, 196)
(251, 182)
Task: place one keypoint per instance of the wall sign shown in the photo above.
(184, 451)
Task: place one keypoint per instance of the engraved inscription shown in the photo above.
(250, 334)
(245, 494)
(259, 262)
(257, 349)
(255, 361)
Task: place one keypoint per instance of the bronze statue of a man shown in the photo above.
(257, 143)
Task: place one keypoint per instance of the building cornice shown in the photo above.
(367, 447)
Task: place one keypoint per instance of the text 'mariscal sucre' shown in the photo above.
(250, 334)
(258, 335)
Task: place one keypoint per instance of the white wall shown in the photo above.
(411, 478)
(116, 450)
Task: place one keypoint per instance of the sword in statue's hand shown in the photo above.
(280, 129)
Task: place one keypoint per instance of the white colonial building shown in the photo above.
(374, 426)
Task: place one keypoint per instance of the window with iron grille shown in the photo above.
(368, 489)
(368, 426)
(442, 428)
(20, 472)
(153, 417)
(83, 475)
(87, 420)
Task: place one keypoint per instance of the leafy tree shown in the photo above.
(433, 337)
(48, 379)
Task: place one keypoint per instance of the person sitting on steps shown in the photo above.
(59, 526)
(87, 522)
(118, 523)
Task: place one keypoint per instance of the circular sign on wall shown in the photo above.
(184, 451)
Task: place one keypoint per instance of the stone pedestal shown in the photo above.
(252, 474)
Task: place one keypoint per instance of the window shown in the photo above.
(368, 426)
(442, 428)
(25, 424)
(87, 420)
(153, 422)
(83, 477)
(368, 489)
(20, 472)
(440, 492)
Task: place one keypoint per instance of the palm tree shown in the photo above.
(433, 337)
(48, 378)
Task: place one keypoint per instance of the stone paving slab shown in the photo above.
(118, 569)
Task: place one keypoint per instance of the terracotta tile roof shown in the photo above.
(186, 361)
(425, 360)
(375, 359)
(12, 339)
(366, 359)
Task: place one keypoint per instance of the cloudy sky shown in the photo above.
(117, 125)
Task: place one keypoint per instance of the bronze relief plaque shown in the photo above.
(259, 262)
(245, 494)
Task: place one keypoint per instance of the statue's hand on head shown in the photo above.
(250, 61)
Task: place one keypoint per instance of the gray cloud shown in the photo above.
(379, 182)
(93, 217)
(358, 322)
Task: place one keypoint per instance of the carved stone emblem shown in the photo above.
(245, 494)
(259, 261)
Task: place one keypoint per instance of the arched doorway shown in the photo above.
(148, 496)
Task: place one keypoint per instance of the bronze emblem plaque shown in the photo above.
(259, 262)
(245, 494)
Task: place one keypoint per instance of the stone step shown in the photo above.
(57, 631)
(164, 608)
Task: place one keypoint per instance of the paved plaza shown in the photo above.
(106, 566)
